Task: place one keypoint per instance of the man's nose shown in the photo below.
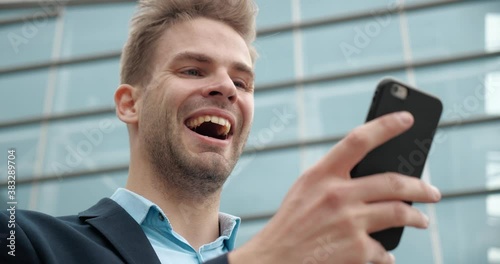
(223, 87)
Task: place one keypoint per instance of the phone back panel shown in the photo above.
(406, 153)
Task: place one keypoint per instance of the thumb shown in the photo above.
(348, 152)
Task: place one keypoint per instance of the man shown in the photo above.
(187, 100)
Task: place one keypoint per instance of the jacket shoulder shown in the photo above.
(41, 238)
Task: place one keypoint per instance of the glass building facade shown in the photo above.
(319, 63)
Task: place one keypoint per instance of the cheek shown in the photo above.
(247, 108)
(170, 102)
(250, 114)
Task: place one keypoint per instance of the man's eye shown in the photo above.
(240, 84)
(192, 72)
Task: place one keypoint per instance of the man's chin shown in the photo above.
(215, 164)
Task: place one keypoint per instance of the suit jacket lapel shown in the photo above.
(121, 230)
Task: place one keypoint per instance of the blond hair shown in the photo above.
(154, 16)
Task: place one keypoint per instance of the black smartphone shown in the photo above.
(406, 153)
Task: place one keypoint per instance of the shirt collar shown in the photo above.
(138, 207)
(229, 226)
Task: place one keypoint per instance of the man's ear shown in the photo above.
(127, 103)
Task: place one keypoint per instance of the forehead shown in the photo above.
(205, 36)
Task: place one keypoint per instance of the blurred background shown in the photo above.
(320, 61)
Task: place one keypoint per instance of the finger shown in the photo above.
(383, 215)
(350, 150)
(394, 186)
(378, 254)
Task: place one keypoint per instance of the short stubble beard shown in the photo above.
(178, 173)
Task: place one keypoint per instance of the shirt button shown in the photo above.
(161, 217)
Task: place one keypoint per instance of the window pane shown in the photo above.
(86, 143)
(106, 31)
(276, 118)
(272, 13)
(259, 182)
(24, 12)
(86, 86)
(352, 45)
(325, 8)
(276, 58)
(69, 196)
(459, 156)
(465, 88)
(23, 94)
(451, 29)
(27, 42)
(467, 232)
(25, 140)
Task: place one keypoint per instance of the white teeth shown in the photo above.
(215, 120)
(224, 123)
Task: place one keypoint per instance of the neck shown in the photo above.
(194, 218)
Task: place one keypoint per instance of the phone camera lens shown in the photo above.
(399, 91)
(395, 89)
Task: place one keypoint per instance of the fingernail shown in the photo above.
(405, 117)
(393, 258)
(426, 218)
(436, 193)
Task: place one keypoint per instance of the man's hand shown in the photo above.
(327, 217)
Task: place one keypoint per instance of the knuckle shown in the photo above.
(395, 181)
(362, 245)
(357, 139)
(348, 221)
(335, 197)
(400, 212)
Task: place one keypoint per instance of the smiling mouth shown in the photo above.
(210, 126)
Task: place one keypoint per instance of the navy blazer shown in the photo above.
(105, 233)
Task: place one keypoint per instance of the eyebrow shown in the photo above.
(202, 58)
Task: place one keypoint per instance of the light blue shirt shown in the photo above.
(171, 247)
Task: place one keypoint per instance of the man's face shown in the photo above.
(198, 108)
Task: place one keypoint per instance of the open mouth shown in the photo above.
(210, 126)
